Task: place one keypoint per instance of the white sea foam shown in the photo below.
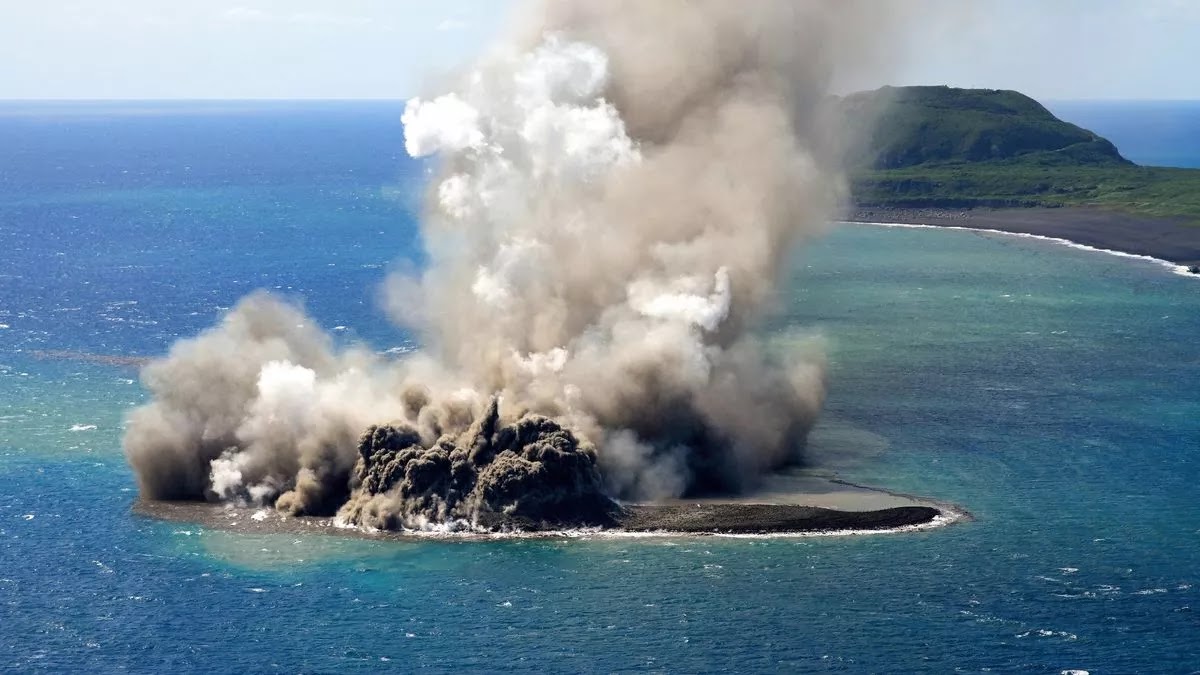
(1074, 596)
(1181, 270)
(1042, 577)
(82, 427)
(1041, 632)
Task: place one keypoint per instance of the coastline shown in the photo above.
(1167, 241)
(864, 510)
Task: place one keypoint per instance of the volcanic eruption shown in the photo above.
(619, 187)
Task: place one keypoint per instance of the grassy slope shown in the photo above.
(936, 146)
(1148, 191)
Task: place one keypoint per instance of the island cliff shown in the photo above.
(998, 159)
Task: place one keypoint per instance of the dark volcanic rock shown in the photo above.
(734, 518)
(696, 519)
(531, 474)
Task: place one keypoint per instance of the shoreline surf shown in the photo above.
(750, 516)
(1169, 243)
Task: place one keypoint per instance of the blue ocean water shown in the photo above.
(1052, 391)
(1153, 133)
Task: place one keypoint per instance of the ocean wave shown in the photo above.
(1041, 632)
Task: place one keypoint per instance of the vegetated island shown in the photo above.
(997, 159)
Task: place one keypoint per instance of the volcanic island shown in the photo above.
(533, 477)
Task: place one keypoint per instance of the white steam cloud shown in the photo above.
(619, 188)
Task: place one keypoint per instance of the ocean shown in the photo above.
(1051, 391)
(1154, 133)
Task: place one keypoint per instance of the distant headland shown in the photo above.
(998, 159)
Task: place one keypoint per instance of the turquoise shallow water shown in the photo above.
(1049, 390)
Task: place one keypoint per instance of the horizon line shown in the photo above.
(401, 99)
(201, 99)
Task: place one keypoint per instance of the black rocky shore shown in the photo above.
(675, 518)
(737, 518)
(531, 475)
(1171, 239)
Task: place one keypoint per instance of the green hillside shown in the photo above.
(959, 148)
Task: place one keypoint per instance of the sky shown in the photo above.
(138, 49)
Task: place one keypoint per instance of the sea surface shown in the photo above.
(1154, 133)
(1051, 391)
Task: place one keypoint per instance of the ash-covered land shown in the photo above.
(531, 473)
(619, 187)
(673, 519)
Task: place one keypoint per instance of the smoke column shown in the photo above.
(620, 185)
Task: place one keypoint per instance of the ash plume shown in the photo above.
(619, 187)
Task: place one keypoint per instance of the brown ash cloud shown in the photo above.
(620, 187)
(531, 472)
